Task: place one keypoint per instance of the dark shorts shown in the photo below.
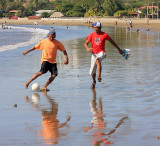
(47, 66)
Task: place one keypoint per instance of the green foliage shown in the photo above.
(29, 11)
(71, 9)
(77, 11)
(1, 14)
(18, 14)
(8, 14)
(78, 8)
(121, 13)
(13, 6)
(41, 5)
(46, 15)
(144, 12)
(35, 3)
(3, 4)
(64, 7)
(111, 6)
(96, 9)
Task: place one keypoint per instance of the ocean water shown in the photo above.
(122, 110)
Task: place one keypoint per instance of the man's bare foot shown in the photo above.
(93, 85)
(26, 85)
(99, 79)
(44, 89)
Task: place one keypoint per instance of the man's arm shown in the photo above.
(66, 56)
(88, 128)
(115, 45)
(64, 124)
(26, 52)
(86, 46)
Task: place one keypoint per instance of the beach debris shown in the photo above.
(130, 98)
(15, 105)
(158, 137)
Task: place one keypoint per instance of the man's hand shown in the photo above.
(24, 53)
(120, 51)
(86, 46)
(66, 61)
(89, 49)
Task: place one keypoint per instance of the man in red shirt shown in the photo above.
(98, 39)
(49, 47)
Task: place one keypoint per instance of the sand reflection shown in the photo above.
(98, 125)
(50, 124)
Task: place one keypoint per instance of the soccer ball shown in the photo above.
(35, 87)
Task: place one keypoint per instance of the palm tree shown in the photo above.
(3, 4)
(35, 3)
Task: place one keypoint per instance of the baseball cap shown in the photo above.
(52, 32)
(97, 24)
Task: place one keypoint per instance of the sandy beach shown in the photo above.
(137, 22)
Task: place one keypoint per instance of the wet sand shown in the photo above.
(137, 23)
(123, 110)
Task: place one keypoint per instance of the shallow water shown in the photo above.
(129, 90)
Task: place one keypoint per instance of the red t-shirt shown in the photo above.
(98, 41)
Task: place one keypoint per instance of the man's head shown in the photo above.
(97, 27)
(51, 34)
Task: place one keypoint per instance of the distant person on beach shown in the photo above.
(98, 39)
(3, 25)
(130, 23)
(49, 47)
(36, 24)
(67, 25)
(115, 23)
(126, 22)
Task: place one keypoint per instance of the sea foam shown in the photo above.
(36, 35)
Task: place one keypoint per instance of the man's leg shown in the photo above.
(48, 82)
(32, 78)
(94, 81)
(99, 68)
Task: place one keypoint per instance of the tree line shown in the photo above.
(74, 8)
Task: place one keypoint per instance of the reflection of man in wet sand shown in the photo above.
(98, 124)
(50, 123)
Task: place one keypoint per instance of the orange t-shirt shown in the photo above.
(49, 49)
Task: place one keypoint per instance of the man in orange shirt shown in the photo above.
(49, 47)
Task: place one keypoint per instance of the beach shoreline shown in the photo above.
(136, 22)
